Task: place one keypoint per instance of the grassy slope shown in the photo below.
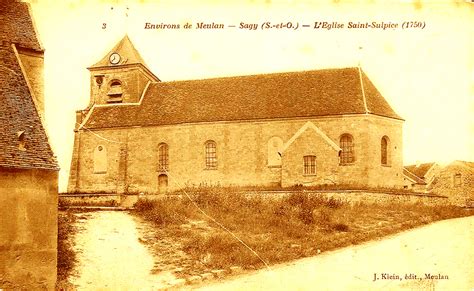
(281, 229)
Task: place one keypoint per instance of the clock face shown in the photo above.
(114, 58)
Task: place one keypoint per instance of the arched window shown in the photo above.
(347, 149)
(100, 160)
(309, 163)
(274, 147)
(384, 150)
(163, 158)
(211, 154)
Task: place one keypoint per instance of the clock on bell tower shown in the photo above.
(120, 76)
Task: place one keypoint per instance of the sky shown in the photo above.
(426, 74)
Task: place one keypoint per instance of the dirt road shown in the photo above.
(110, 255)
(444, 250)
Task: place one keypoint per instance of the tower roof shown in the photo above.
(127, 52)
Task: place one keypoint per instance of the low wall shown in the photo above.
(89, 199)
(28, 229)
(383, 198)
(350, 196)
(96, 199)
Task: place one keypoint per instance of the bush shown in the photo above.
(306, 215)
(164, 211)
(297, 198)
(334, 203)
(322, 217)
(340, 227)
(143, 205)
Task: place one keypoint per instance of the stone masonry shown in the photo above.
(241, 155)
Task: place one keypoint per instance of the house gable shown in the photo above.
(312, 127)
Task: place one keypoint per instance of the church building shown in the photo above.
(321, 127)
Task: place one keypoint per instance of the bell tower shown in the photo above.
(120, 76)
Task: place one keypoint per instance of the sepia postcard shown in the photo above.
(237, 145)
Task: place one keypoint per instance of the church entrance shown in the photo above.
(162, 183)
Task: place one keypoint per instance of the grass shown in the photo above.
(278, 230)
(66, 255)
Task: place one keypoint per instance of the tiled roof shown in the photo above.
(465, 164)
(18, 116)
(420, 170)
(129, 55)
(16, 25)
(326, 92)
(414, 177)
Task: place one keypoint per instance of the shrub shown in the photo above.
(334, 203)
(306, 215)
(281, 209)
(340, 227)
(297, 198)
(322, 217)
(143, 205)
(164, 211)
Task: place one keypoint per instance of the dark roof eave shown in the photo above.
(392, 117)
(96, 68)
(239, 120)
(55, 169)
(20, 46)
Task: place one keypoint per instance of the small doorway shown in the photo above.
(162, 183)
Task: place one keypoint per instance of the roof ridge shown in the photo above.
(363, 90)
(261, 75)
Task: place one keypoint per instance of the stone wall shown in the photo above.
(354, 196)
(455, 181)
(350, 196)
(327, 162)
(133, 82)
(392, 173)
(89, 200)
(132, 154)
(28, 229)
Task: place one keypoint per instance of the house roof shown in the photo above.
(413, 177)
(420, 170)
(464, 164)
(19, 119)
(16, 25)
(328, 92)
